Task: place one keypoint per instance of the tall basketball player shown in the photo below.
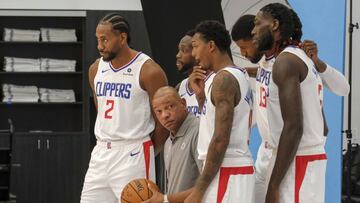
(123, 84)
(228, 174)
(334, 80)
(294, 112)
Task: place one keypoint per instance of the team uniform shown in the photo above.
(124, 121)
(235, 180)
(190, 97)
(331, 78)
(262, 81)
(305, 178)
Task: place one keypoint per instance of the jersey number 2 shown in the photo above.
(109, 103)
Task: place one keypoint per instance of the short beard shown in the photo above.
(186, 68)
(256, 58)
(266, 41)
(110, 57)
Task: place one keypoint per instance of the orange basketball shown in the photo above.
(137, 191)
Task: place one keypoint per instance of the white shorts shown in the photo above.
(261, 166)
(113, 165)
(305, 180)
(233, 183)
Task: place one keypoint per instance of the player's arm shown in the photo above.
(326, 128)
(331, 77)
(252, 71)
(335, 81)
(224, 94)
(286, 75)
(152, 77)
(92, 73)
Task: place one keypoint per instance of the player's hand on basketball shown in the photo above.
(156, 197)
(197, 80)
(196, 196)
(272, 195)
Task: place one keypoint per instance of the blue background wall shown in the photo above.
(324, 22)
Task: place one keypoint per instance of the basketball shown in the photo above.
(137, 191)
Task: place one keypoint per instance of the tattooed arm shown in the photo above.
(225, 95)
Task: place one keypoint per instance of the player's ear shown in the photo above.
(123, 37)
(212, 45)
(275, 25)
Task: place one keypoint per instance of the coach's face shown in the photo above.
(201, 51)
(109, 41)
(263, 37)
(170, 110)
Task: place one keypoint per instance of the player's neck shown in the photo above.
(221, 62)
(275, 50)
(123, 58)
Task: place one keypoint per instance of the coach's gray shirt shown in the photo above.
(181, 156)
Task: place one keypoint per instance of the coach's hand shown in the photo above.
(196, 196)
(157, 197)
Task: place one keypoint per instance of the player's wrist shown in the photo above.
(320, 66)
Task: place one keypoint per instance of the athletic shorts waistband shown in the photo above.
(307, 150)
(119, 143)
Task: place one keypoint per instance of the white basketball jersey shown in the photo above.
(239, 137)
(190, 97)
(263, 79)
(124, 110)
(311, 97)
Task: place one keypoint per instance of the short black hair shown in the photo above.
(243, 27)
(190, 33)
(118, 23)
(283, 14)
(215, 31)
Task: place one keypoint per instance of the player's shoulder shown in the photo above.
(152, 69)
(94, 66)
(223, 77)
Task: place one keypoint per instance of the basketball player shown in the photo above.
(224, 123)
(334, 80)
(185, 63)
(180, 150)
(294, 112)
(123, 85)
(228, 172)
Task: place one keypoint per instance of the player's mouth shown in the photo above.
(102, 53)
(179, 64)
